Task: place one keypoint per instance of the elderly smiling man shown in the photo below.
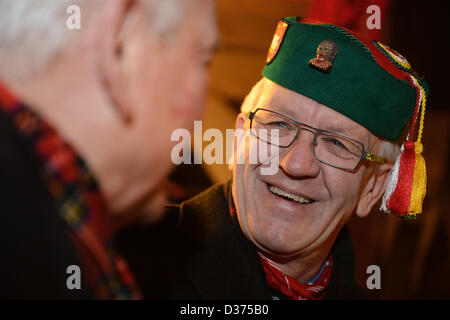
(85, 120)
(335, 104)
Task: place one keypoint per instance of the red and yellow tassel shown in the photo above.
(406, 184)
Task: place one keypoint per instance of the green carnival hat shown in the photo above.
(360, 78)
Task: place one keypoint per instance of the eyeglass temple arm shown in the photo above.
(374, 158)
(368, 156)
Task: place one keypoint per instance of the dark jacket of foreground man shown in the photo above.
(34, 243)
(199, 252)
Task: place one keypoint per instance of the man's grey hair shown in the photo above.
(32, 32)
(386, 149)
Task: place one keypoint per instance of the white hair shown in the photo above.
(389, 150)
(32, 32)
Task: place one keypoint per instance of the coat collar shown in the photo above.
(225, 264)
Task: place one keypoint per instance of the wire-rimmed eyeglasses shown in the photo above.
(330, 148)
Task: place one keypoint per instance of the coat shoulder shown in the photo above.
(205, 215)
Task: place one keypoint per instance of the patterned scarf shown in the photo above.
(78, 200)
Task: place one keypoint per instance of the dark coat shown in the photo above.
(199, 252)
(35, 249)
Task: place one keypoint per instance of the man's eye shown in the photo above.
(206, 62)
(280, 125)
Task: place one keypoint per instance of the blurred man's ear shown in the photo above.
(373, 190)
(117, 27)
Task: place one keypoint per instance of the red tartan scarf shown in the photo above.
(291, 287)
(78, 200)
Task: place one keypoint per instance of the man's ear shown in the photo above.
(239, 125)
(116, 27)
(240, 121)
(373, 190)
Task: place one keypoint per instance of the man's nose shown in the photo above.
(299, 161)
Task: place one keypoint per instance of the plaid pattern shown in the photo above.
(78, 200)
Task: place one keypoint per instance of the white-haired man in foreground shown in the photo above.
(85, 123)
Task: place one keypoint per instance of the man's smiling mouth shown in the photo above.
(290, 196)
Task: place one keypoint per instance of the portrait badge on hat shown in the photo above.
(277, 40)
(325, 54)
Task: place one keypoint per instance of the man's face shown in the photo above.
(285, 227)
(166, 85)
(324, 51)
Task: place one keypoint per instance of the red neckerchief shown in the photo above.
(78, 199)
(291, 287)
